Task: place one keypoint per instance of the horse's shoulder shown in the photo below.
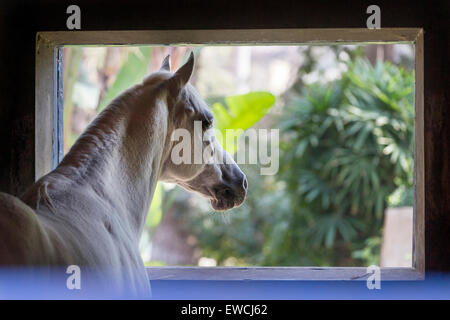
(24, 240)
(15, 213)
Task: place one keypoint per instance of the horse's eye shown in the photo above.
(206, 124)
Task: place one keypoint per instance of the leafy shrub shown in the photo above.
(350, 146)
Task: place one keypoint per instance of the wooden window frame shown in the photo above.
(49, 115)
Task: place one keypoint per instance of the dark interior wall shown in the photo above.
(20, 20)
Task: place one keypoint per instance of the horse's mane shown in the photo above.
(101, 136)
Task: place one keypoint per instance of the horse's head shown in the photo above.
(194, 158)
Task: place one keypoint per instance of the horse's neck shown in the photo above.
(117, 160)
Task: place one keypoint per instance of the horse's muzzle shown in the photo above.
(230, 196)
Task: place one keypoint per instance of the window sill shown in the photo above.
(280, 273)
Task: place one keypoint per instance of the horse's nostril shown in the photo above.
(226, 193)
(245, 183)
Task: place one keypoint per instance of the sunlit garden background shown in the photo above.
(343, 194)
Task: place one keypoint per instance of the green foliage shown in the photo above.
(350, 147)
(403, 196)
(155, 212)
(131, 72)
(346, 146)
(370, 253)
(241, 112)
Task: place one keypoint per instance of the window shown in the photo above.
(48, 153)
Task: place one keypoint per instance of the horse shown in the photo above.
(90, 211)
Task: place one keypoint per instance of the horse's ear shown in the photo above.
(165, 65)
(182, 76)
